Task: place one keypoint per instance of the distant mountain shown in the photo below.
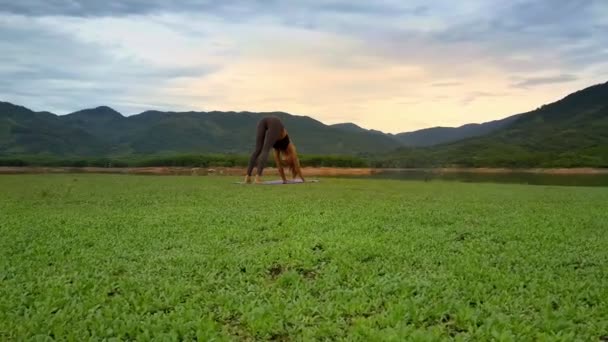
(570, 132)
(351, 127)
(435, 135)
(104, 131)
(348, 127)
(23, 132)
(441, 135)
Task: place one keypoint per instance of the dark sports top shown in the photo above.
(282, 143)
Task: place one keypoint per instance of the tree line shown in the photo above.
(182, 160)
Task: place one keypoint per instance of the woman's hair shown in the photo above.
(294, 161)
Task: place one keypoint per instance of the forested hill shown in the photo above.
(104, 131)
(570, 132)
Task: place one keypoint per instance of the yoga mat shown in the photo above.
(280, 182)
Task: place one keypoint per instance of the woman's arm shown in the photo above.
(277, 160)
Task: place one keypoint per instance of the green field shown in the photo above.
(184, 258)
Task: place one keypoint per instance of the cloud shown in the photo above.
(50, 70)
(446, 84)
(548, 34)
(488, 32)
(534, 81)
(374, 62)
(476, 95)
(225, 8)
(86, 8)
(541, 20)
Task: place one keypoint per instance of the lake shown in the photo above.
(599, 179)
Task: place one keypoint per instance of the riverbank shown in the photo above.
(185, 171)
(308, 171)
(554, 171)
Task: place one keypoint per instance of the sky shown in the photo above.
(390, 65)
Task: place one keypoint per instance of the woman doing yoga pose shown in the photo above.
(272, 134)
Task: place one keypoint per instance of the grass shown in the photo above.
(183, 258)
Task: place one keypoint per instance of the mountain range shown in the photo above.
(103, 131)
(576, 125)
(571, 132)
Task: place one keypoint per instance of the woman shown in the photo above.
(272, 134)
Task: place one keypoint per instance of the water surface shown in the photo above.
(507, 177)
